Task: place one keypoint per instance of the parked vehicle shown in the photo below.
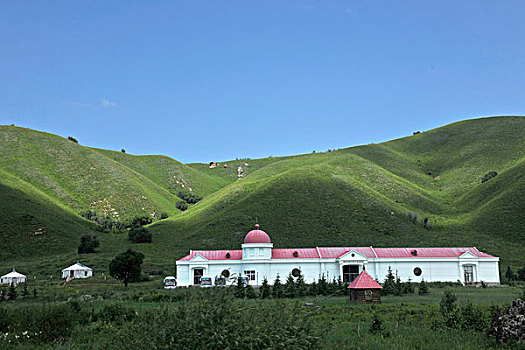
(206, 282)
(170, 282)
(244, 280)
(220, 281)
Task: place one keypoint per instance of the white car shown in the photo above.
(170, 282)
(206, 282)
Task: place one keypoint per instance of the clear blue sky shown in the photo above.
(216, 80)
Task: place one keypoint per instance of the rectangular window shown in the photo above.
(468, 273)
(250, 274)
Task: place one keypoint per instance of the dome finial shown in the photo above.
(256, 225)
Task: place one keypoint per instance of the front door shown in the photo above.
(197, 274)
(350, 272)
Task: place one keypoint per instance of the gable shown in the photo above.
(467, 255)
(198, 258)
(352, 255)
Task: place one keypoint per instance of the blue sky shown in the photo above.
(215, 80)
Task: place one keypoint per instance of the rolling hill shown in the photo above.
(354, 196)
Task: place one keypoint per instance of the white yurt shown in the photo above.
(13, 277)
(77, 270)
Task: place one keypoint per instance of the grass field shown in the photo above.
(100, 314)
(354, 196)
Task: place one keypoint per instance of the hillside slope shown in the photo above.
(353, 196)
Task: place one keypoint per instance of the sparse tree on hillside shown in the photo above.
(510, 274)
(127, 266)
(140, 235)
(123, 150)
(12, 294)
(71, 138)
(88, 243)
(181, 205)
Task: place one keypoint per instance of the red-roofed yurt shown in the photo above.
(364, 289)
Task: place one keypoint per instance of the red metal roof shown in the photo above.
(364, 281)
(428, 252)
(336, 252)
(214, 254)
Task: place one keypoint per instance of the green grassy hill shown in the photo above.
(353, 196)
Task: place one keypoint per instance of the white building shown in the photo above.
(77, 270)
(258, 260)
(13, 277)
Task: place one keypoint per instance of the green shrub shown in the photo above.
(88, 243)
(488, 176)
(140, 235)
(181, 205)
(115, 312)
(188, 197)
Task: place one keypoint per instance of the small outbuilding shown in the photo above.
(364, 289)
(13, 277)
(77, 271)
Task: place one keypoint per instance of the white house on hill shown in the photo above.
(13, 277)
(77, 270)
(257, 259)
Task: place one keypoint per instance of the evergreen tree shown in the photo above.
(127, 266)
(423, 288)
(240, 290)
(409, 287)
(277, 288)
(322, 286)
(398, 286)
(265, 290)
(521, 274)
(300, 286)
(332, 287)
(250, 292)
(340, 286)
(12, 294)
(34, 293)
(390, 283)
(88, 243)
(25, 292)
(510, 274)
(313, 289)
(289, 287)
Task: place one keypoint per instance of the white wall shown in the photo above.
(444, 270)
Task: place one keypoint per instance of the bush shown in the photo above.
(488, 176)
(163, 216)
(182, 206)
(127, 266)
(117, 313)
(71, 138)
(423, 288)
(88, 243)
(141, 221)
(189, 198)
(447, 303)
(140, 235)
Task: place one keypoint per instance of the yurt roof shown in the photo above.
(13, 274)
(77, 266)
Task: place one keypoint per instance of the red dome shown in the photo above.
(257, 236)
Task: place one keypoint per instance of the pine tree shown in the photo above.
(12, 294)
(25, 292)
(398, 286)
(240, 290)
(300, 286)
(313, 289)
(322, 286)
(510, 274)
(409, 287)
(265, 290)
(423, 288)
(289, 287)
(390, 282)
(250, 292)
(277, 288)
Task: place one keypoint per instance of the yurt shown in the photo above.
(13, 277)
(77, 270)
